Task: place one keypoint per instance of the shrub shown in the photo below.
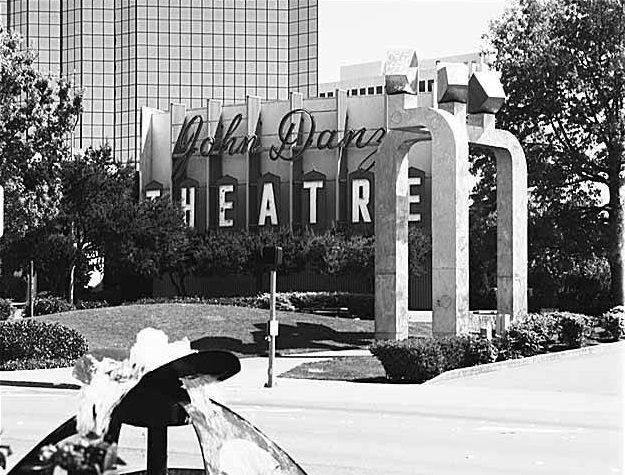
(6, 309)
(613, 323)
(572, 328)
(32, 339)
(46, 304)
(358, 305)
(87, 304)
(528, 336)
(413, 360)
(467, 350)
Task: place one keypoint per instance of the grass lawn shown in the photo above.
(111, 331)
(342, 368)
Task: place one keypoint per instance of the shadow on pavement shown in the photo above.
(299, 337)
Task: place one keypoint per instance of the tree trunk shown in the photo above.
(616, 223)
(178, 284)
(72, 284)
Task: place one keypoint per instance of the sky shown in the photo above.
(357, 31)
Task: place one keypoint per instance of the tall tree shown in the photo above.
(37, 113)
(95, 188)
(562, 64)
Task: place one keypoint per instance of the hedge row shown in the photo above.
(27, 344)
(357, 305)
(417, 360)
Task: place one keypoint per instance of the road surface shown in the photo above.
(559, 417)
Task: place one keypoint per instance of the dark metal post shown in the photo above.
(157, 450)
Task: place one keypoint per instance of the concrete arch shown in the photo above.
(511, 217)
(450, 220)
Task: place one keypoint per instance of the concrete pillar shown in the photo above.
(391, 238)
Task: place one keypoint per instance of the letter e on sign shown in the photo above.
(225, 206)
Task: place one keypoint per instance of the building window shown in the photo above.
(330, 94)
(354, 92)
(363, 91)
(421, 86)
(378, 90)
(430, 85)
(371, 90)
(322, 94)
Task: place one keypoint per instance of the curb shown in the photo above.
(489, 368)
(38, 384)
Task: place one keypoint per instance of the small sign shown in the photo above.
(273, 327)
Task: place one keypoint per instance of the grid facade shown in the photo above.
(39, 22)
(127, 54)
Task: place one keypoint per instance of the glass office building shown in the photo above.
(126, 54)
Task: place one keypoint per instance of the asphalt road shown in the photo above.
(560, 417)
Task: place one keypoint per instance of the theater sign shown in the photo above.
(302, 162)
(372, 163)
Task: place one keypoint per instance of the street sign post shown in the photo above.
(272, 257)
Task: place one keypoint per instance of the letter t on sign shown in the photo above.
(313, 186)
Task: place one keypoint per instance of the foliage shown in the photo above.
(417, 360)
(358, 305)
(6, 309)
(414, 360)
(419, 250)
(45, 304)
(88, 304)
(573, 329)
(613, 323)
(149, 238)
(36, 363)
(33, 339)
(528, 336)
(37, 114)
(562, 67)
(467, 350)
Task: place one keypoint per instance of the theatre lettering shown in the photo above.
(307, 162)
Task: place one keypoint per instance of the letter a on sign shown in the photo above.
(268, 206)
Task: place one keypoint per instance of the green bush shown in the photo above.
(414, 360)
(417, 360)
(6, 309)
(87, 304)
(358, 305)
(46, 304)
(572, 328)
(31, 339)
(467, 350)
(528, 336)
(613, 323)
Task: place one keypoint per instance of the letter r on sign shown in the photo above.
(360, 200)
